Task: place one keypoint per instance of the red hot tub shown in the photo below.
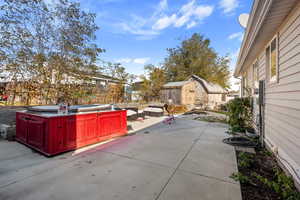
(42, 129)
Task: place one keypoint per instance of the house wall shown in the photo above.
(282, 98)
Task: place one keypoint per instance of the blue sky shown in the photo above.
(138, 32)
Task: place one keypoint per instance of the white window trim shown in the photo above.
(268, 74)
(255, 63)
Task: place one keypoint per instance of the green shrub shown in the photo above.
(282, 184)
(240, 113)
(245, 160)
(240, 177)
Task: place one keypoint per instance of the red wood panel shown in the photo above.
(21, 127)
(63, 133)
(111, 123)
(36, 132)
(70, 132)
(86, 129)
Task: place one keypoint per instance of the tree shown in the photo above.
(118, 72)
(152, 82)
(48, 46)
(195, 56)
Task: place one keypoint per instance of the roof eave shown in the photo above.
(246, 37)
(259, 32)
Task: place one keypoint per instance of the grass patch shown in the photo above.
(219, 112)
(211, 119)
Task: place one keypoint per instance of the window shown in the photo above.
(247, 83)
(246, 80)
(272, 64)
(255, 74)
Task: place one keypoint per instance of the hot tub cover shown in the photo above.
(75, 108)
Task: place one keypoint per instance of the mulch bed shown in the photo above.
(263, 164)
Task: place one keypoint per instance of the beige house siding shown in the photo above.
(282, 98)
(262, 66)
(282, 111)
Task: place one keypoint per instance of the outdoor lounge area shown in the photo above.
(184, 160)
(149, 100)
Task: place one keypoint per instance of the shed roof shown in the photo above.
(211, 88)
(175, 84)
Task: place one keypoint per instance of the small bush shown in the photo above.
(282, 184)
(240, 177)
(245, 160)
(240, 113)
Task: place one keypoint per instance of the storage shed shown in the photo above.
(208, 94)
(181, 92)
(194, 91)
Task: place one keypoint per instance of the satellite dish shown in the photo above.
(243, 19)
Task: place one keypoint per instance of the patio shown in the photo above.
(185, 160)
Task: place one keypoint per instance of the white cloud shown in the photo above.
(124, 60)
(189, 15)
(164, 22)
(181, 21)
(163, 5)
(229, 6)
(238, 35)
(138, 30)
(186, 8)
(191, 24)
(203, 11)
(141, 61)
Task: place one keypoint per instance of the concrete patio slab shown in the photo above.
(12, 150)
(185, 160)
(187, 186)
(215, 132)
(212, 159)
(96, 176)
(162, 149)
